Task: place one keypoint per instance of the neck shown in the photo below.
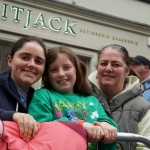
(25, 89)
(110, 93)
(143, 77)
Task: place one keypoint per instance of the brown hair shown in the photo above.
(20, 43)
(133, 72)
(81, 85)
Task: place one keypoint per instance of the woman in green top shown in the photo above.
(66, 96)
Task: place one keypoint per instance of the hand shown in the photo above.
(27, 125)
(95, 133)
(110, 132)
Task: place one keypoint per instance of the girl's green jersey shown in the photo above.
(49, 105)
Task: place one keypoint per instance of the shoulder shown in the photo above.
(146, 85)
(40, 95)
(5, 74)
(7, 84)
(139, 100)
(41, 91)
(92, 98)
(139, 103)
(87, 97)
(137, 107)
(4, 77)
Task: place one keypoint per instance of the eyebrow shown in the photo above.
(111, 61)
(63, 65)
(30, 55)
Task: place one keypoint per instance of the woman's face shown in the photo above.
(112, 70)
(27, 65)
(62, 74)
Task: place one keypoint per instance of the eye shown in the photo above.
(38, 61)
(24, 57)
(53, 70)
(115, 65)
(67, 67)
(103, 63)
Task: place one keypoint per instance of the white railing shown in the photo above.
(130, 137)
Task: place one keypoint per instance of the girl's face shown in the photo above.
(27, 65)
(112, 70)
(62, 74)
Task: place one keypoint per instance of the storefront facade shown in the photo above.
(83, 30)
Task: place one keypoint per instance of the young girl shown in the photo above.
(26, 62)
(67, 97)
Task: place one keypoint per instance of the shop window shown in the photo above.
(86, 61)
(4, 51)
(83, 60)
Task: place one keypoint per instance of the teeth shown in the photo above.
(62, 81)
(108, 76)
(29, 72)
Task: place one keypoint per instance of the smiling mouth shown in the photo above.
(29, 72)
(108, 76)
(63, 81)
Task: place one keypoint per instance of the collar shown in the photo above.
(148, 78)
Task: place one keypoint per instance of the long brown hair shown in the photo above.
(81, 85)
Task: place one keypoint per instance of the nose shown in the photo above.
(31, 64)
(61, 72)
(108, 68)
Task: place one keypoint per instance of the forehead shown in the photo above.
(31, 48)
(62, 59)
(111, 54)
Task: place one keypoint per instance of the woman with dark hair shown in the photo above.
(120, 94)
(26, 62)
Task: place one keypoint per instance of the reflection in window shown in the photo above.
(4, 51)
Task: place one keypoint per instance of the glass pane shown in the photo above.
(6, 51)
(4, 66)
(1, 48)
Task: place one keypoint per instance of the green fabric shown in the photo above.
(48, 105)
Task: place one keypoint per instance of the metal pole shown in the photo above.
(130, 137)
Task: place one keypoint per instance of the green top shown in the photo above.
(49, 105)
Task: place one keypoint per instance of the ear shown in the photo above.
(146, 68)
(127, 71)
(9, 61)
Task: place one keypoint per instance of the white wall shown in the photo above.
(134, 10)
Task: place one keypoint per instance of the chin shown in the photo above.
(29, 82)
(107, 84)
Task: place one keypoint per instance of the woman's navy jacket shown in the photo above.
(9, 97)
